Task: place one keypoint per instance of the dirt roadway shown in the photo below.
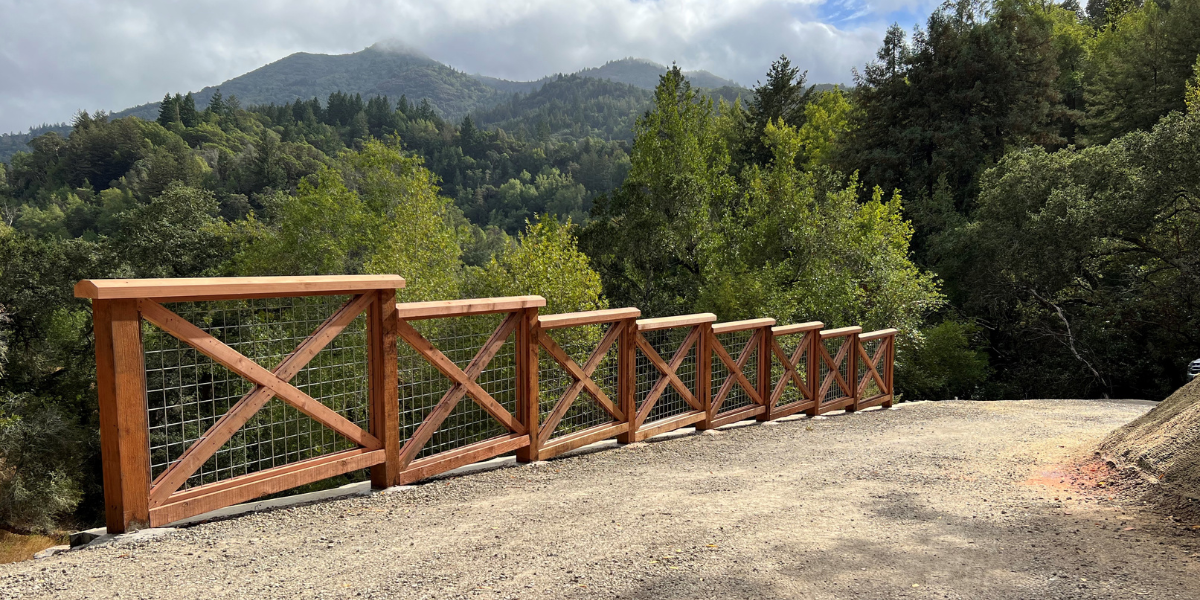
(935, 500)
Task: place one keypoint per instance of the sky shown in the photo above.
(61, 56)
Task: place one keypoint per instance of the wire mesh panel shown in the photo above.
(835, 392)
(553, 380)
(735, 343)
(666, 342)
(422, 385)
(868, 387)
(187, 391)
(790, 344)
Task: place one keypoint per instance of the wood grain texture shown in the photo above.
(440, 309)
(875, 335)
(199, 288)
(626, 356)
(591, 317)
(132, 421)
(256, 485)
(732, 326)
(384, 380)
(797, 328)
(674, 322)
(840, 332)
(528, 400)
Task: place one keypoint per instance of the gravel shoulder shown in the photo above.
(934, 500)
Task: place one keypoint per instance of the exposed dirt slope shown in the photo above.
(1164, 443)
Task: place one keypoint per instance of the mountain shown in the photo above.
(645, 73)
(570, 107)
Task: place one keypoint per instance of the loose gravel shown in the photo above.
(934, 500)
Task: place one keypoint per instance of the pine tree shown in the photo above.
(168, 110)
(187, 111)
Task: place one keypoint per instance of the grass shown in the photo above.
(17, 547)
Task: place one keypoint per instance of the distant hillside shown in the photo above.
(644, 74)
(570, 107)
(375, 71)
(11, 143)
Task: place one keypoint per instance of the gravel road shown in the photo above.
(934, 500)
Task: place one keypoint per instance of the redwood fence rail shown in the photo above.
(218, 391)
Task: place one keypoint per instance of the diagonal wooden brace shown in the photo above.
(464, 384)
(735, 371)
(668, 375)
(169, 481)
(582, 376)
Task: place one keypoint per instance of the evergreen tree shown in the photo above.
(168, 110)
(187, 111)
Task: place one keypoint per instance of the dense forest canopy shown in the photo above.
(1015, 185)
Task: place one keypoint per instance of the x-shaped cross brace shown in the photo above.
(790, 372)
(834, 365)
(668, 376)
(736, 374)
(582, 376)
(872, 365)
(268, 384)
(464, 384)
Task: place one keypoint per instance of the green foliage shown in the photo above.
(944, 363)
(1139, 67)
(648, 239)
(826, 119)
(546, 261)
(39, 455)
(972, 85)
(1192, 93)
(374, 211)
(1083, 264)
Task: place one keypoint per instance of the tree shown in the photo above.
(1139, 68)
(168, 110)
(648, 239)
(187, 110)
(783, 96)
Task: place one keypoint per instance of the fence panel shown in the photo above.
(737, 386)
(461, 397)
(794, 373)
(580, 400)
(836, 355)
(217, 391)
(670, 373)
(876, 354)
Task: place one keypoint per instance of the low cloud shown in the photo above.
(60, 56)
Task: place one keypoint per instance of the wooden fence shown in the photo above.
(217, 391)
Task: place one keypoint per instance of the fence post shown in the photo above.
(812, 367)
(626, 378)
(889, 364)
(765, 360)
(384, 385)
(852, 366)
(124, 427)
(704, 356)
(528, 408)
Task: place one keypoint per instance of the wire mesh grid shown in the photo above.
(734, 342)
(789, 344)
(187, 392)
(666, 342)
(833, 346)
(553, 379)
(422, 386)
(869, 388)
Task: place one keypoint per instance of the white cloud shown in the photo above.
(59, 56)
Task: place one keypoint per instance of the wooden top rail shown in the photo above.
(797, 328)
(733, 326)
(672, 322)
(590, 317)
(225, 288)
(874, 335)
(841, 331)
(437, 309)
